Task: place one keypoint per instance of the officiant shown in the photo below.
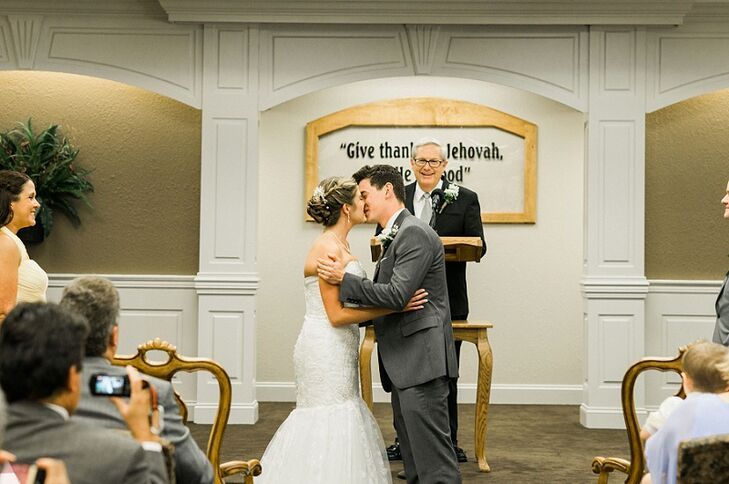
(453, 211)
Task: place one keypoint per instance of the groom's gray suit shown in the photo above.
(416, 348)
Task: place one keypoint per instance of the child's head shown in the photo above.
(707, 367)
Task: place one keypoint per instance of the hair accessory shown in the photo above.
(318, 193)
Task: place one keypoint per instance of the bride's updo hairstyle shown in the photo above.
(325, 204)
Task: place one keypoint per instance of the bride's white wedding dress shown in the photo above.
(330, 437)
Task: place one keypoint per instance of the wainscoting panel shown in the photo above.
(677, 313)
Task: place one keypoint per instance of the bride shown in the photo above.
(330, 437)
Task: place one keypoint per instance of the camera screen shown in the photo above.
(109, 385)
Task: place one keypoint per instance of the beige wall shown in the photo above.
(529, 283)
(145, 152)
(687, 168)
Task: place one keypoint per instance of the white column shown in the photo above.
(614, 284)
(227, 281)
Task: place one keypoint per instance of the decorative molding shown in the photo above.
(667, 286)
(422, 40)
(686, 63)
(524, 59)
(472, 12)
(131, 281)
(26, 31)
(501, 394)
(171, 68)
(342, 54)
(614, 287)
(119, 8)
(223, 283)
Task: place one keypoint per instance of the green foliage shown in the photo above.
(47, 158)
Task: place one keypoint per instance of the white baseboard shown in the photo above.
(606, 417)
(500, 393)
(240, 413)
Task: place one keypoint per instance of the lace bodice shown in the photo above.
(325, 357)
(32, 280)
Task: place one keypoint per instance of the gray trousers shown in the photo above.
(421, 422)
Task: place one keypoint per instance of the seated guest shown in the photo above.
(55, 469)
(41, 349)
(97, 300)
(656, 419)
(705, 411)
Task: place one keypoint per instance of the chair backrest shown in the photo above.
(704, 459)
(602, 465)
(176, 363)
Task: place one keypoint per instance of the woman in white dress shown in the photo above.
(330, 437)
(21, 278)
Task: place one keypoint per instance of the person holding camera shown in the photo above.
(45, 470)
(97, 300)
(41, 350)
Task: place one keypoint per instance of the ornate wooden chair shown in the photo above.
(704, 460)
(634, 468)
(166, 371)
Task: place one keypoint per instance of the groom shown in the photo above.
(416, 350)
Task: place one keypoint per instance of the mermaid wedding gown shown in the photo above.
(330, 437)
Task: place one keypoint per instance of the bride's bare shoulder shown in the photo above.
(320, 248)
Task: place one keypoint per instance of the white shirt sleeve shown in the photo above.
(656, 419)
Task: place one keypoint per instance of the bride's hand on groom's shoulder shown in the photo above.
(331, 268)
(417, 301)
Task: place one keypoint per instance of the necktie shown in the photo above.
(427, 211)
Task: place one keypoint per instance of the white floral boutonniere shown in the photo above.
(450, 195)
(386, 236)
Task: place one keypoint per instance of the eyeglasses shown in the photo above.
(432, 163)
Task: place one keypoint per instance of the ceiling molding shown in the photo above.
(442, 12)
(408, 12)
(148, 8)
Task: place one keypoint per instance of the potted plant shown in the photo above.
(47, 158)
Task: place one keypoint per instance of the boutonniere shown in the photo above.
(450, 195)
(386, 236)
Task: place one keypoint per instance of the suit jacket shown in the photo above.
(92, 454)
(461, 218)
(721, 330)
(414, 347)
(191, 464)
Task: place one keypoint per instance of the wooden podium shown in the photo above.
(457, 249)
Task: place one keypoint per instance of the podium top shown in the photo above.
(457, 249)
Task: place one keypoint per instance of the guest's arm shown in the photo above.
(9, 262)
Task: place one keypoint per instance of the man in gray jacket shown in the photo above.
(416, 349)
(97, 300)
(41, 347)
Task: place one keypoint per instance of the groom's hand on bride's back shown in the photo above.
(331, 268)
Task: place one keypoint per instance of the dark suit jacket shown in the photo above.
(721, 330)
(414, 347)
(92, 455)
(191, 464)
(462, 218)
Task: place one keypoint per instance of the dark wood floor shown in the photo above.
(525, 443)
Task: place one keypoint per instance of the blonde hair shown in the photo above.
(329, 196)
(708, 366)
